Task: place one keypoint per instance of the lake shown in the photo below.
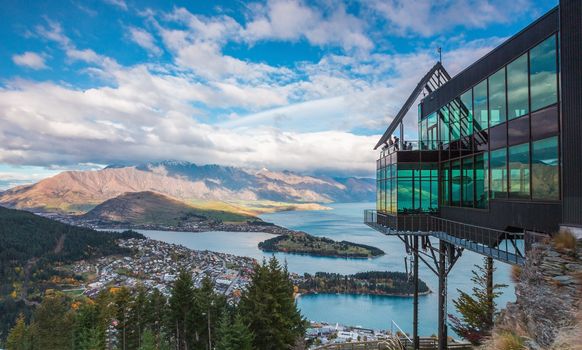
(345, 222)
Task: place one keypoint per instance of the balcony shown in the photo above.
(508, 247)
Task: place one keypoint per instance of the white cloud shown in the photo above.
(30, 59)
(293, 20)
(117, 3)
(430, 18)
(144, 39)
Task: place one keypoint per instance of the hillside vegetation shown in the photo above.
(150, 208)
(30, 249)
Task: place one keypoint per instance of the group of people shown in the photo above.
(406, 146)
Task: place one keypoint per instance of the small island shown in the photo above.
(303, 243)
(371, 283)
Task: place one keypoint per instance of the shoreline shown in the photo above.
(421, 294)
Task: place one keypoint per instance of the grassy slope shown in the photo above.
(141, 208)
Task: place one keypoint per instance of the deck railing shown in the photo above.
(502, 245)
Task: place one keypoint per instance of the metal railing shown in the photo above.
(391, 343)
(504, 246)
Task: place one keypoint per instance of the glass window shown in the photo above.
(481, 181)
(498, 136)
(544, 123)
(445, 183)
(466, 109)
(432, 134)
(497, 98)
(543, 74)
(455, 120)
(517, 90)
(498, 177)
(456, 182)
(544, 168)
(518, 130)
(468, 182)
(480, 106)
(519, 171)
(444, 124)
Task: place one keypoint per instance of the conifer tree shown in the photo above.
(181, 305)
(233, 335)
(269, 308)
(148, 341)
(53, 323)
(19, 336)
(476, 316)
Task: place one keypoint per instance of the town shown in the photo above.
(155, 264)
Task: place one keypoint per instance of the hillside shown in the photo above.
(31, 249)
(150, 208)
(80, 191)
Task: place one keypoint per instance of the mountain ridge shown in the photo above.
(80, 191)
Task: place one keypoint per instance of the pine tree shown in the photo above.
(233, 335)
(477, 310)
(148, 341)
(181, 305)
(269, 308)
(19, 336)
(209, 308)
(53, 323)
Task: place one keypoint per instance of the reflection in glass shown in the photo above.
(445, 183)
(481, 180)
(466, 107)
(498, 165)
(544, 123)
(517, 91)
(444, 125)
(468, 182)
(545, 172)
(543, 74)
(519, 171)
(497, 98)
(518, 130)
(456, 182)
(480, 106)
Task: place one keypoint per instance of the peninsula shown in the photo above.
(371, 283)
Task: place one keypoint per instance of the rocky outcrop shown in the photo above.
(548, 297)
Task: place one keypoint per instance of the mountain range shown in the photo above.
(213, 187)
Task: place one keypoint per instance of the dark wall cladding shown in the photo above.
(505, 214)
(489, 64)
(571, 105)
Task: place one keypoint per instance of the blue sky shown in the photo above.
(285, 84)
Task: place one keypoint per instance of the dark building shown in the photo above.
(498, 158)
(499, 145)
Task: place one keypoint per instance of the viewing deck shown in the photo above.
(508, 247)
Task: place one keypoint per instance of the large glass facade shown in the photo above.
(500, 141)
(545, 169)
(543, 74)
(517, 87)
(497, 98)
(519, 171)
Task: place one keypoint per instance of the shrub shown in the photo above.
(506, 341)
(516, 273)
(564, 240)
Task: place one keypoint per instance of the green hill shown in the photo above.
(151, 208)
(31, 250)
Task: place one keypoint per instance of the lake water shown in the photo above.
(345, 222)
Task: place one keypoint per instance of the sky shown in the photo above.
(307, 86)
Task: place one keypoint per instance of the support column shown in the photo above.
(442, 296)
(415, 338)
(491, 308)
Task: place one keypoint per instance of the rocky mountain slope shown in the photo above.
(80, 191)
